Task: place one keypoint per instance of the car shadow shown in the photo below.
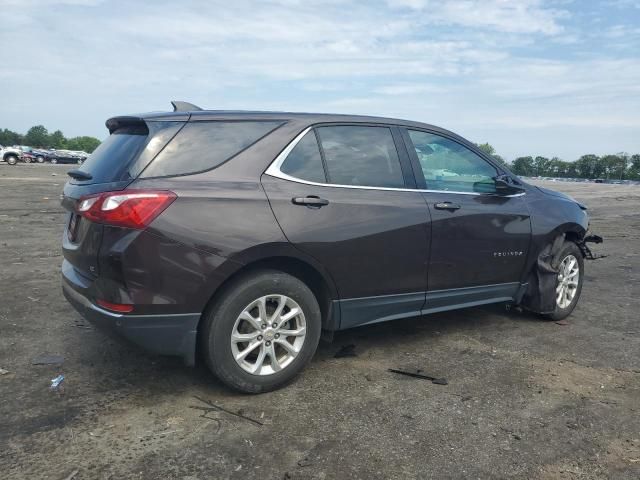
(425, 326)
(156, 375)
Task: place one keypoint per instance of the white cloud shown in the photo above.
(408, 89)
(522, 16)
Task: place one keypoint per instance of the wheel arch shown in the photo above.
(291, 262)
(571, 231)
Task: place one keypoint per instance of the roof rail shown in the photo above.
(179, 106)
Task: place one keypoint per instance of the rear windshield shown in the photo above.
(125, 153)
(202, 146)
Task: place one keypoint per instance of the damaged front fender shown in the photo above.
(540, 295)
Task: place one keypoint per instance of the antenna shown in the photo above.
(179, 106)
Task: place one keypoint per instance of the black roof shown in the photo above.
(308, 118)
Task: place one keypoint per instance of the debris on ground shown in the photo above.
(346, 351)
(72, 475)
(3, 371)
(562, 322)
(81, 324)
(48, 359)
(419, 374)
(56, 382)
(213, 408)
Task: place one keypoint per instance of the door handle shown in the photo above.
(310, 201)
(447, 206)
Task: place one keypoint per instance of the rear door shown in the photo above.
(480, 238)
(342, 194)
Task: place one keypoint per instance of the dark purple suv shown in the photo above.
(244, 235)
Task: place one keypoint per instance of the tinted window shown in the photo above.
(204, 145)
(109, 162)
(448, 165)
(120, 155)
(304, 161)
(363, 156)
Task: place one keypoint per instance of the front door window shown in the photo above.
(450, 166)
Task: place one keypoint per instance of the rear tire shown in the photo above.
(249, 308)
(12, 159)
(40, 159)
(53, 160)
(569, 281)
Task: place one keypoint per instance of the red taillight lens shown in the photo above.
(115, 307)
(128, 208)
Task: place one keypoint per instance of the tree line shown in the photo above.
(39, 137)
(619, 166)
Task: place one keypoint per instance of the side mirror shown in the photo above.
(505, 186)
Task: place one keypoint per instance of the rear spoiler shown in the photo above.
(181, 113)
(116, 123)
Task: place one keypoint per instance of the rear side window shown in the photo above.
(359, 155)
(304, 161)
(202, 146)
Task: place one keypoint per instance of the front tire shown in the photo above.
(40, 159)
(262, 331)
(569, 281)
(12, 159)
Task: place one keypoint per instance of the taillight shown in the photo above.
(127, 208)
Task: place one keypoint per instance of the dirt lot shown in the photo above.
(526, 398)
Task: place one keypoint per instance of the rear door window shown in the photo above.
(361, 156)
(201, 146)
(304, 161)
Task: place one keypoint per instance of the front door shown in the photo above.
(480, 238)
(341, 195)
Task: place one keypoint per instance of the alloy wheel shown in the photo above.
(568, 279)
(268, 334)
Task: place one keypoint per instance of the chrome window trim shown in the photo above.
(274, 171)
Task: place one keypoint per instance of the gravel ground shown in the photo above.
(526, 398)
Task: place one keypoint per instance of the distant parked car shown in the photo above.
(66, 156)
(42, 155)
(11, 155)
(26, 154)
(28, 157)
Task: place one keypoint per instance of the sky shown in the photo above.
(531, 77)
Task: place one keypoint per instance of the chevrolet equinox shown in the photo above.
(244, 235)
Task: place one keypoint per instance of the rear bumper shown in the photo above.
(173, 334)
